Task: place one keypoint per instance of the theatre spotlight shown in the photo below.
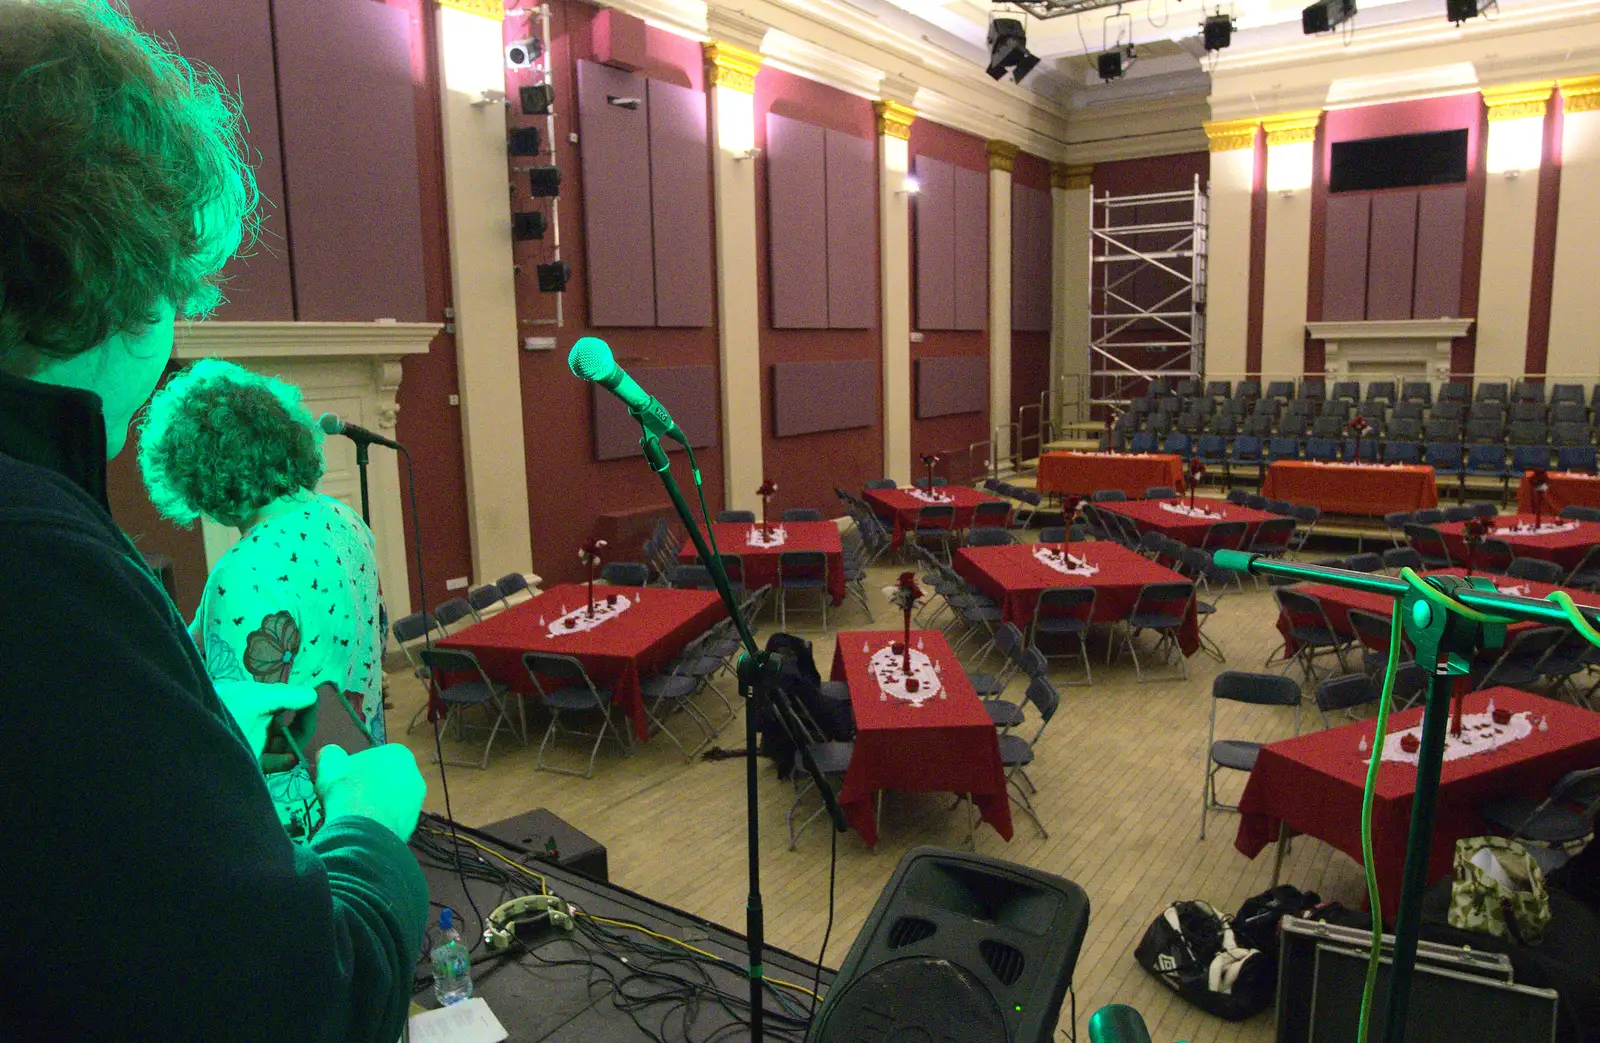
(1111, 65)
(520, 54)
(537, 98)
(1326, 14)
(1008, 49)
(1459, 11)
(1217, 31)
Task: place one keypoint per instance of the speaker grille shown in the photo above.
(1003, 960)
(910, 929)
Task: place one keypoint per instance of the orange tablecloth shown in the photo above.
(1373, 489)
(1080, 474)
(1566, 488)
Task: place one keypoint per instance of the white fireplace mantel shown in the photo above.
(349, 368)
(1389, 347)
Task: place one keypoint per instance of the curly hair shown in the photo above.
(221, 441)
(124, 180)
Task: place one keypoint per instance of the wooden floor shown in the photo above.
(1119, 777)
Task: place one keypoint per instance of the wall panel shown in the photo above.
(852, 229)
(1392, 254)
(970, 194)
(797, 220)
(823, 396)
(688, 392)
(949, 384)
(616, 196)
(1344, 266)
(934, 238)
(1031, 230)
(680, 205)
(1441, 235)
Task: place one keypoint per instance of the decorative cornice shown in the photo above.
(1580, 93)
(249, 340)
(732, 67)
(1228, 135)
(1071, 176)
(1002, 155)
(491, 9)
(1289, 128)
(894, 119)
(781, 50)
(1518, 101)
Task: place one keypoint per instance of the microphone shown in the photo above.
(591, 360)
(331, 424)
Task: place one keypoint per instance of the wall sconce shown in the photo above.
(489, 97)
(1515, 146)
(747, 154)
(1289, 167)
(909, 186)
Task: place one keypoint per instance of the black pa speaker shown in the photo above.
(959, 949)
(544, 182)
(523, 141)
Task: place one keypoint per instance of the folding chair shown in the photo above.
(1161, 492)
(1236, 755)
(1426, 541)
(1536, 569)
(736, 517)
(625, 573)
(409, 634)
(1162, 608)
(802, 570)
(1225, 535)
(935, 522)
(474, 691)
(452, 611)
(801, 514)
(1016, 753)
(1565, 816)
(571, 691)
(1345, 693)
(485, 601)
(514, 588)
(1062, 613)
(1310, 631)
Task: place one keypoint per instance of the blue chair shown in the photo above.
(1211, 450)
(1575, 458)
(1322, 449)
(1246, 451)
(1529, 458)
(735, 517)
(1368, 448)
(1238, 497)
(1283, 448)
(1487, 461)
(804, 570)
(806, 514)
(1400, 453)
(1178, 443)
(1444, 458)
(1142, 442)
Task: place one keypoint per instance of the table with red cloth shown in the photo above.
(617, 654)
(1566, 489)
(1079, 474)
(1313, 784)
(1338, 601)
(899, 507)
(761, 563)
(1564, 548)
(1149, 516)
(946, 744)
(1370, 489)
(1013, 578)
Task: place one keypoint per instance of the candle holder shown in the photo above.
(1069, 514)
(905, 594)
(1538, 484)
(1473, 532)
(1197, 471)
(928, 460)
(1358, 424)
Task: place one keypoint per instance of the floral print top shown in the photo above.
(296, 602)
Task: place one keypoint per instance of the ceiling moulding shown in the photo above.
(235, 340)
(804, 58)
(735, 27)
(684, 17)
(1139, 116)
(983, 123)
(1137, 146)
(1434, 81)
(1280, 99)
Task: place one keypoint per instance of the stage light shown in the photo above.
(526, 225)
(1008, 49)
(1217, 31)
(520, 54)
(1459, 11)
(523, 141)
(553, 276)
(537, 99)
(910, 186)
(1326, 14)
(1025, 65)
(1109, 65)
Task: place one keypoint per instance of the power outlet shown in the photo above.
(459, 583)
(916, 337)
(455, 400)
(539, 344)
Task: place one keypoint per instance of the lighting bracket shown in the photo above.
(1058, 8)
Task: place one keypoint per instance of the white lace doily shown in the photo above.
(578, 620)
(930, 497)
(1525, 529)
(1189, 512)
(888, 670)
(776, 536)
(1062, 562)
(1515, 590)
(1479, 734)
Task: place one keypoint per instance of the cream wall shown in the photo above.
(1228, 261)
(1000, 295)
(1288, 250)
(1575, 302)
(1069, 334)
(1506, 284)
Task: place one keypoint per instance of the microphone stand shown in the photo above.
(361, 466)
(758, 674)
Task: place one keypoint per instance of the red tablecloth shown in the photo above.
(1080, 474)
(1564, 548)
(1148, 515)
(1014, 578)
(1314, 784)
(617, 654)
(1566, 488)
(761, 563)
(899, 507)
(945, 745)
(1371, 489)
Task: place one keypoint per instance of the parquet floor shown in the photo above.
(1119, 777)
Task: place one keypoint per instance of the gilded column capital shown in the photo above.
(1288, 128)
(1229, 135)
(1518, 101)
(491, 9)
(1580, 93)
(1002, 155)
(894, 119)
(1071, 176)
(732, 67)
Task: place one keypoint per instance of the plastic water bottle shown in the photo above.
(452, 968)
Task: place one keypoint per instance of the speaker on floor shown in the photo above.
(959, 949)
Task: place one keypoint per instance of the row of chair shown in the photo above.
(1376, 390)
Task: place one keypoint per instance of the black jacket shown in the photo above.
(152, 893)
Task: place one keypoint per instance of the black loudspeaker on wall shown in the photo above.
(959, 949)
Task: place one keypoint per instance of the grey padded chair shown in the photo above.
(1161, 492)
(1345, 693)
(1565, 816)
(990, 537)
(565, 688)
(882, 483)
(1016, 753)
(485, 601)
(801, 514)
(448, 613)
(802, 570)
(1107, 496)
(477, 690)
(736, 517)
(1236, 755)
(1161, 608)
(1061, 616)
(1536, 569)
(625, 573)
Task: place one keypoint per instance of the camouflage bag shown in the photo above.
(1498, 889)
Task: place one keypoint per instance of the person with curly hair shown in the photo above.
(135, 796)
(295, 601)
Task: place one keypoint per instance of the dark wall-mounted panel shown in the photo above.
(350, 159)
(680, 204)
(1392, 255)
(616, 196)
(952, 384)
(797, 223)
(823, 396)
(688, 392)
(1441, 233)
(971, 197)
(852, 232)
(619, 40)
(239, 47)
(1344, 264)
(1031, 233)
(935, 245)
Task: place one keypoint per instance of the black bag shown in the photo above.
(801, 685)
(1256, 925)
(1192, 950)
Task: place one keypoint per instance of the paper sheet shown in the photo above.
(468, 1022)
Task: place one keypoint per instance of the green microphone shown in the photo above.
(591, 360)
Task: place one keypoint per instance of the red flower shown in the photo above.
(1539, 480)
(589, 553)
(1358, 423)
(1474, 530)
(908, 582)
(768, 487)
(1196, 468)
(1069, 506)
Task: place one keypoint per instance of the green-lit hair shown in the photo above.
(221, 441)
(124, 180)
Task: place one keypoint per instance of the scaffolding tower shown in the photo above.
(1147, 292)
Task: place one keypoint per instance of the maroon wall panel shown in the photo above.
(1392, 254)
(619, 40)
(350, 162)
(823, 396)
(680, 204)
(688, 392)
(1344, 266)
(616, 196)
(952, 384)
(239, 47)
(1441, 234)
(935, 238)
(852, 183)
(1030, 258)
(971, 196)
(797, 222)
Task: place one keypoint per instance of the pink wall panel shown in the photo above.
(808, 397)
(1392, 254)
(971, 197)
(852, 230)
(688, 392)
(1344, 267)
(680, 205)
(239, 47)
(1441, 235)
(934, 235)
(1030, 258)
(797, 219)
(616, 196)
(952, 384)
(350, 165)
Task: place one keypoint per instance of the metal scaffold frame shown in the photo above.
(1176, 323)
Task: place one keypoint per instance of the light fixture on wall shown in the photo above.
(1325, 15)
(1515, 146)
(748, 154)
(1289, 167)
(909, 186)
(520, 54)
